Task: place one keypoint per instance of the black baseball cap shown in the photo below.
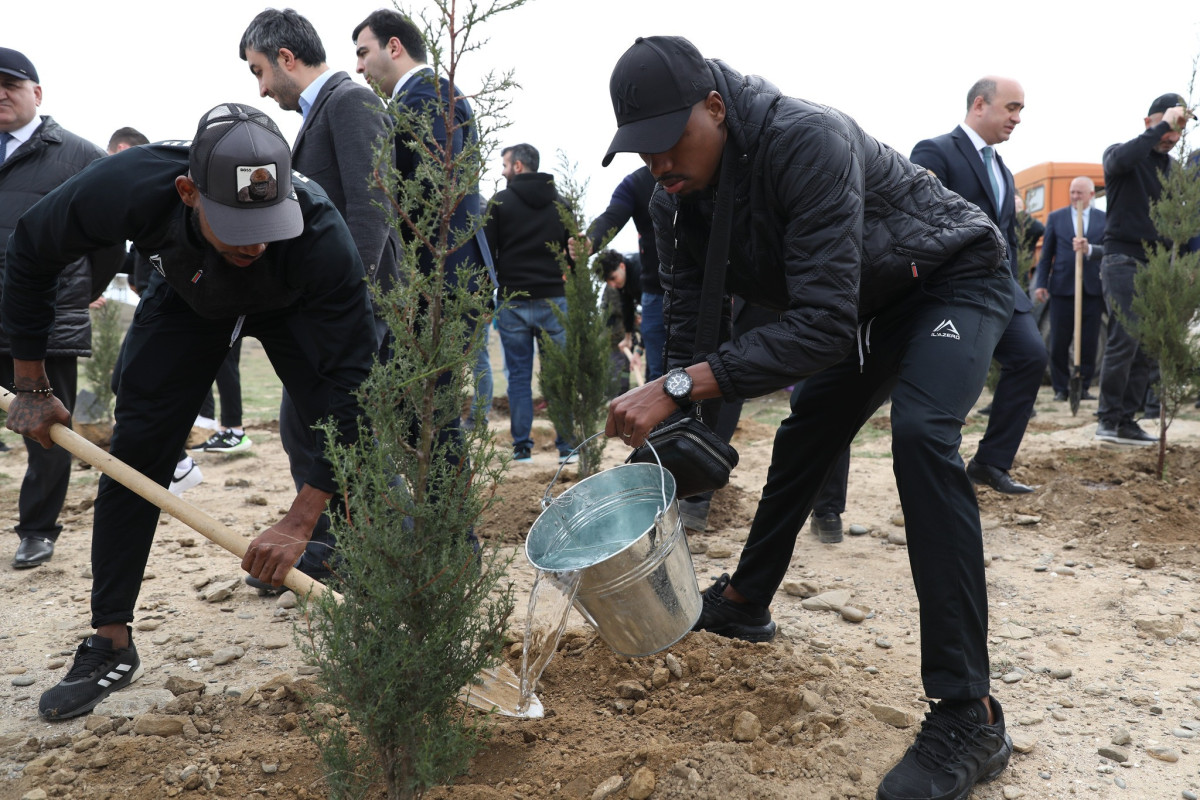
(653, 88)
(17, 65)
(1163, 102)
(243, 169)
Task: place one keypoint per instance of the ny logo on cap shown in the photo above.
(257, 184)
(625, 99)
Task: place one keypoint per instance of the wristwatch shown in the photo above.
(678, 386)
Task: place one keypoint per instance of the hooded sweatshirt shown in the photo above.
(525, 233)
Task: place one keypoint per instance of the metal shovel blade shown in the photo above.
(1075, 390)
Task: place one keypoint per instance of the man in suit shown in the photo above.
(391, 56)
(1055, 281)
(965, 161)
(37, 155)
(344, 125)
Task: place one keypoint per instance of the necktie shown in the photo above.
(5, 137)
(987, 166)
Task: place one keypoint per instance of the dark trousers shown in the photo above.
(1022, 357)
(303, 447)
(47, 472)
(933, 373)
(169, 361)
(229, 388)
(831, 499)
(1062, 331)
(1125, 372)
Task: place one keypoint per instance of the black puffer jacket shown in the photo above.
(829, 227)
(49, 158)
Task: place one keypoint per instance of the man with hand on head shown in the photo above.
(281, 268)
(1132, 181)
(885, 283)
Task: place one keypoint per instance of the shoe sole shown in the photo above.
(747, 633)
(87, 708)
(827, 536)
(241, 448)
(1117, 440)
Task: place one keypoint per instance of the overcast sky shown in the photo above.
(902, 70)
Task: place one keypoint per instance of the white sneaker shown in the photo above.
(187, 475)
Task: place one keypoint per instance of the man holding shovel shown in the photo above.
(280, 266)
(1065, 244)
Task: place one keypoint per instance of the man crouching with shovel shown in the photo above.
(279, 266)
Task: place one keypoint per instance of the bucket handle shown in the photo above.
(547, 499)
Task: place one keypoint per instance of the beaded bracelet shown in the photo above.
(47, 390)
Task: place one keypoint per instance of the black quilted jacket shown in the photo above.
(829, 227)
(49, 158)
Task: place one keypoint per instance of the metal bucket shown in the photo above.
(621, 529)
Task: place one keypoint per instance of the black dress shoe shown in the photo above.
(33, 551)
(997, 479)
(1086, 395)
(1061, 397)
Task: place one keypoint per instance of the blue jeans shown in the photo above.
(1125, 371)
(654, 336)
(481, 402)
(521, 322)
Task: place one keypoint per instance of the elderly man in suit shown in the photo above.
(1055, 281)
(344, 125)
(965, 161)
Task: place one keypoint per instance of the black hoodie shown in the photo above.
(524, 232)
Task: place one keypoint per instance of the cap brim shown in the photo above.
(243, 226)
(17, 74)
(651, 135)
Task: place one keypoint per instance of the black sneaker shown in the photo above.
(1125, 432)
(828, 527)
(98, 671)
(724, 617)
(1129, 432)
(522, 455)
(955, 749)
(226, 441)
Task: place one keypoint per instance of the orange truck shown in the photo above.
(1046, 187)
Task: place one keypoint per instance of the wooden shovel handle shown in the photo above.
(178, 508)
(1078, 291)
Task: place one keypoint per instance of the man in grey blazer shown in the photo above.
(344, 126)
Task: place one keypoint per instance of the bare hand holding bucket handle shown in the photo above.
(637, 411)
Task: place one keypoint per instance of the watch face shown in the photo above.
(678, 384)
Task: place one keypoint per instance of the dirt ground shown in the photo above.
(1094, 608)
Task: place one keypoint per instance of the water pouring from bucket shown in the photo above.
(620, 530)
